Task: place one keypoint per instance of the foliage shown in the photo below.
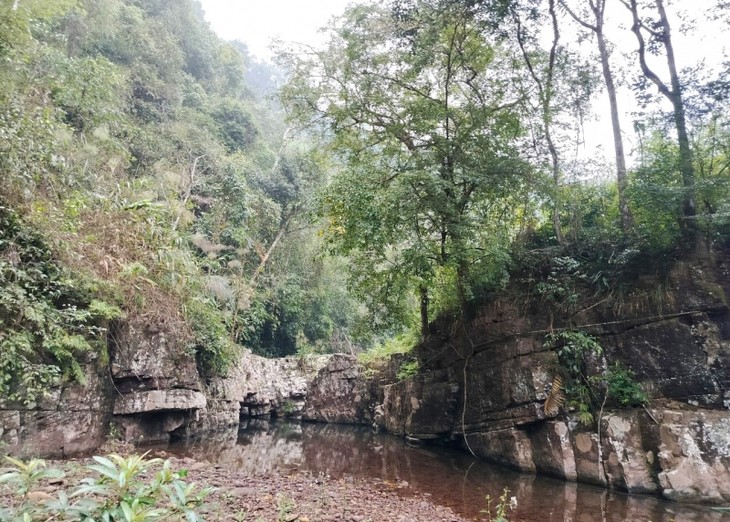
(574, 348)
(399, 344)
(408, 369)
(285, 506)
(424, 124)
(623, 388)
(500, 512)
(131, 142)
(48, 324)
(583, 386)
(117, 489)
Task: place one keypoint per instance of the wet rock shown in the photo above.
(626, 464)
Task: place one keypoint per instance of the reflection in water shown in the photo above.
(450, 477)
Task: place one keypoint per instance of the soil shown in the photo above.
(279, 497)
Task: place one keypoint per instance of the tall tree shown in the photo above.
(422, 111)
(543, 76)
(659, 36)
(596, 26)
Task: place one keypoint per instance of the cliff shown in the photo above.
(483, 385)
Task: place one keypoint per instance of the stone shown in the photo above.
(623, 441)
(152, 356)
(552, 449)
(159, 400)
(694, 456)
(339, 393)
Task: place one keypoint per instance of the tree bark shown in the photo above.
(598, 8)
(545, 93)
(674, 95)
(424, 309)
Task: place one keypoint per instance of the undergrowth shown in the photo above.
(50, 323)
(114, 488)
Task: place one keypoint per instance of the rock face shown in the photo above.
(150, 391)
(158, 389)
(258, 387)
(340, 393)
(484, 383)
(161, 392)
(72, 419)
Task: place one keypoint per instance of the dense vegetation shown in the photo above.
(456, 124)
(147, 171)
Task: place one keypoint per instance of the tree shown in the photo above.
(543, 76)
(423, 112)
(598, 9)
(660, 36)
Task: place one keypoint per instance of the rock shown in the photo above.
(694, 456)
(39, 496)
(159, 400)
(199, 466)
(259, 387)
(152, 356)
(72, 418)
(625, 452)
(340, 393)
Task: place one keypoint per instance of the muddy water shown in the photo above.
(448, 477)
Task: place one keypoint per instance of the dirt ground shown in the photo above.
(278, 497)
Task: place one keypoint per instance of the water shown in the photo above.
(449, 477)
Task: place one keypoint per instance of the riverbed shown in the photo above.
(448, 477)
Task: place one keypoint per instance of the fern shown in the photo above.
(556, 397)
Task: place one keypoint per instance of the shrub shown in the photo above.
(118, 489)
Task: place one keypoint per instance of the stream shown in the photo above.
(447, 476)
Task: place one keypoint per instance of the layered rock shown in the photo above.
(71, 419)
(158, 389)
(484, 384)
(258, 387)
(340, 393)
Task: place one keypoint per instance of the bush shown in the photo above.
(118, 489)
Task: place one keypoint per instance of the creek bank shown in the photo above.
(292, 496)
(150, 391)
(483, 385)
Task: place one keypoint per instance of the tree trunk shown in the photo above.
(598, 9)
(424, 309)
(685, 151)
(618, 142)
(674, 95)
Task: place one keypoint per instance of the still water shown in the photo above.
(449, 477)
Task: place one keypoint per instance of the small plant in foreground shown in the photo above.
(285, 506)
(500, 511)
(120, 489)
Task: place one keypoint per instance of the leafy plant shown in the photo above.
(500, 512)
(120, 489)
(408, 369)
(285, 506)
(574, 347)
(623, 388)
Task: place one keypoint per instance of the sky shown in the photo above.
(257, 22)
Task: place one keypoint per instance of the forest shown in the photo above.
(345, 197)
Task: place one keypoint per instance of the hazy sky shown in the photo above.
(257, 22)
